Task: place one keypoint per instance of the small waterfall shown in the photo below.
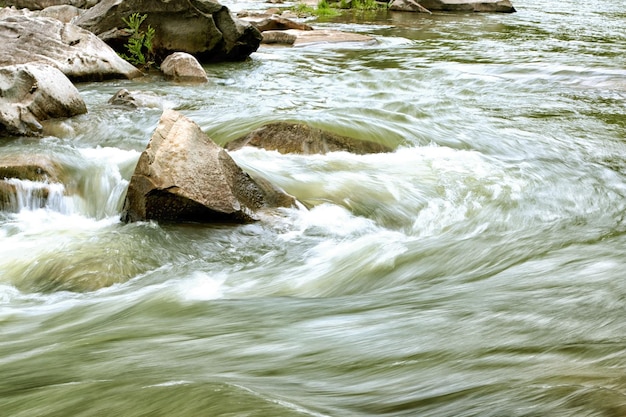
(35, 195)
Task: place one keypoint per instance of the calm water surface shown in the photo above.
(478, 270)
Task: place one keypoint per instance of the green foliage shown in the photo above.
(365, 5)
(322, 9)
(139, 44)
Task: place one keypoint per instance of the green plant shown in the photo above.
(139, 43)
(365, 5)
(324, 9)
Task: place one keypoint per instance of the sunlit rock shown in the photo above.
(407, 6)
(183, 67)
(277, 23)
(18, 169)
(500, 6)
(303, 139)
(32, 93)
(184, 176)
(280, 37)
(203, 28)
(80, 55)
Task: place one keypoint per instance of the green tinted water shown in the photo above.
(475, 271)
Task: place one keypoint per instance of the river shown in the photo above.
(478, 270)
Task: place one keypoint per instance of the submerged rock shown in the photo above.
(80, 55)
(203, 28)
(136, 99)
(184, 176)
(302, 139)
(32, 93)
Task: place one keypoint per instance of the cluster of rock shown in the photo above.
(182, 175)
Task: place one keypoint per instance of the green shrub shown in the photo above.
(139, 44)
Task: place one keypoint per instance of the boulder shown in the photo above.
(184, 176)
(37, 168)
(501, 6)
(279, 37)
(277, 23)
(31, 167)
(202, 28)
(407, 6)
(181, 66)
(78, 54)
(302, 139)
(31, 93)
(42, 4)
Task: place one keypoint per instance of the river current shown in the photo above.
(477, 270)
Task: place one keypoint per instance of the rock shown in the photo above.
(501, 6)
(278, 23)
(37, 168)
(43, 4)
(136, 99)
(302, 139)
(31, 93)
(30, 167)
(64, 13)
(184, 176)
(326, 36)
(407, 6)
(182, 66)
(202, 28)
(279, 37)
(80, 55)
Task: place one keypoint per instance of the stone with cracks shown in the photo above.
(42, 4)
(32, 93)
(202, 28)
(184, 176)
(77, 53)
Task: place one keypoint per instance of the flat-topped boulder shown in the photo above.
(77, 53)
(300, 138)
(202, 28)
(184, 176)
(32, 93)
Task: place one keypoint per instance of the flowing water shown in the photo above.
(478, 270)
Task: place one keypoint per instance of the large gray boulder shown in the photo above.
(500, 6)
(202, 28)
(77, 53)
(42, 4)
(184, 176)
(32, 93)
(300, 138)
